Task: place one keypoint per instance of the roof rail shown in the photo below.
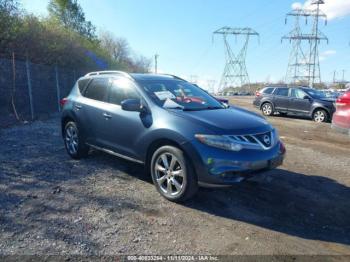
(108, 73)
(176, 77)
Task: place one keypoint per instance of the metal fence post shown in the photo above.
(30, 92)
(58, 90)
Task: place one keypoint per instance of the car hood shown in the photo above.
(230, 121)
(328, 99)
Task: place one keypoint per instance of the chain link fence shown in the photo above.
(31, 91)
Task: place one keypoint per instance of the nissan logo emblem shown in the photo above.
(266, 139)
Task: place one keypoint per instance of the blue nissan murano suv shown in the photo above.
(185, 137)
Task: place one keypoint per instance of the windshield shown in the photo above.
(315, 93)
(176, 94)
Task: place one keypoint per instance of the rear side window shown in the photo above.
(281, 92)
(121, 90)
(97, 89)
(267, 90)
(82, 84)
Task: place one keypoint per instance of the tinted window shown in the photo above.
(82, 84)
(281, 92)
(314, 93)
(97, 89)
(297, 93)
(122, 89)
(267, 90)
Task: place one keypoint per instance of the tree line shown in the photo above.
(64, 37)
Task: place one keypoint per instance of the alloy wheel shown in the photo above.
(71, 139)
(169, 174)
(267, 109)
(319, 116)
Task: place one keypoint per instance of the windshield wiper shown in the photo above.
(204, 108)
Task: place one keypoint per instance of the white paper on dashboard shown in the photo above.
(163, 95)
(171, 104)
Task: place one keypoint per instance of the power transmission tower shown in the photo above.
(304, 64)
(235, 72)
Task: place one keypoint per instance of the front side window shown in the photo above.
(122, 89)
(297, 93)
(281, 92)
(314, 93)
(97, 89)
(179, 94)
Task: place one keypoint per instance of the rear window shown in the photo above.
(82, 84)
(97, 89)
(281, 92)
(267, 90)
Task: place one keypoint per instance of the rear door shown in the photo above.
(281, 99)
(94, 104)
(299, 104)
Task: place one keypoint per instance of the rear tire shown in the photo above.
(74, 141)
(267, 109)
(173, 174)
(320, 116)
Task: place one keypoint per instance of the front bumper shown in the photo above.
(220, 167)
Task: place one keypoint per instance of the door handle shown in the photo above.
(108, 116)
(78, 107)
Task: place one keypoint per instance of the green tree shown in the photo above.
(9, 23)
(71, 15)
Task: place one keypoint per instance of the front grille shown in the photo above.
(261, 141)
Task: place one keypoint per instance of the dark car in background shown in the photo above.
(302, 101)
(183, 136)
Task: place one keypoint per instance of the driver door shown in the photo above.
(299, 104)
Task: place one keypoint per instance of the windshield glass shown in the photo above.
(178, 94)
(315, 93)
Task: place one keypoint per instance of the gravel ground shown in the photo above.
(51, 204)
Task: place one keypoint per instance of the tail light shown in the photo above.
(257, 93)
(63, 101)
(343, 100)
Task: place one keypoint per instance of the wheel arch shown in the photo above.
(321, 108)
(267, 101)
(64, 120)
(166, 142)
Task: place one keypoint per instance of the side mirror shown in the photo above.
(132, 105)
(306, 97)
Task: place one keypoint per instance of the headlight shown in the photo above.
(219, 142)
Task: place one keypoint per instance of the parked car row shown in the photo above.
(181, 134)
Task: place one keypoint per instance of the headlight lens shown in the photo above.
(219, 142)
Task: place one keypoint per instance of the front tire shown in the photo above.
(172, 174)
(320, 116)
(267, 109)
(74, 141)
